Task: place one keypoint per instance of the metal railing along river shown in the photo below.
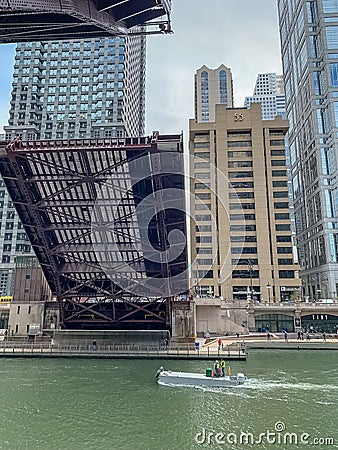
(13, 348)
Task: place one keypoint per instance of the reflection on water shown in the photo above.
(111, 404)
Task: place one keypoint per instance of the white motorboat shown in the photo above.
(168, 377)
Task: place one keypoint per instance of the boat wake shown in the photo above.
(256, 385)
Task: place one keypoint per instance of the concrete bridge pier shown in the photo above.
(183, 322)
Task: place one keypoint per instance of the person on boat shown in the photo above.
(223, 367)
(217, 368)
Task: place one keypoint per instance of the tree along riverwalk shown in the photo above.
(14, 349)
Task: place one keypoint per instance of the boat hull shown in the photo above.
(167, 377)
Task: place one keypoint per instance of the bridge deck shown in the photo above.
(98, 214)
(24, 20)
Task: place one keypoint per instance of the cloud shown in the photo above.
(243, 35)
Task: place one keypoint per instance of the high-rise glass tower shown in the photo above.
(269, 92)
(212, 87)
(78, 89)
(70, 89)
(309, 42)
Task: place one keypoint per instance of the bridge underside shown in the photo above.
(45, 20)
(106, 220)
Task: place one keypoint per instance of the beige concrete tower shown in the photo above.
(212, 87)
(241, 234)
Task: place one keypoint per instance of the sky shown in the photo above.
(241, 34)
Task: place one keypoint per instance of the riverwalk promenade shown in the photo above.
(232, 348)
(278, 342)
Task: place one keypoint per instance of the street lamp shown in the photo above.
(269, 287)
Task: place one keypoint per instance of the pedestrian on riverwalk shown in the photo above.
(324, 336)
(285, 336)
(269, 336)
(298, 336)
(219, 344)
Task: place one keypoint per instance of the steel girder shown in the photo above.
(67, 194)
(124, 313)
(45, 20)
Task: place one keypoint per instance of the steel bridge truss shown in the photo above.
(98, 218)
(45, 20)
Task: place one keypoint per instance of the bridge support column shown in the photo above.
(183, 321)
(251, 318)
(298, 320)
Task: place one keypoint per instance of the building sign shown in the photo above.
(34, 329)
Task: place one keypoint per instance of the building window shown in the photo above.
(279, 173)
(278, 162)
(281, 194)
(203, 196)
(277, 152)
(200, 274)
(281, 250)
(203, 218)
(245, 274)
(282, 227)
(242, 227)
(203, 251)
(202, 155)
(203, 239)
(201, 144)
(282, 216)
(281, 205)
(233, 195)
(236, 164)
(241, 185)
(233, 144)
(283, 238)
(239, 154)
(285, 261)
(277, 142)
(203, 228)
(286, 274)
(244, 262)
(204, 261)
(280, 183)
(242, 217)
(243, 239)
(244, 250)
(248, 174)
(241, 206)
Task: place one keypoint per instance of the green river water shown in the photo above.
(116, 404)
